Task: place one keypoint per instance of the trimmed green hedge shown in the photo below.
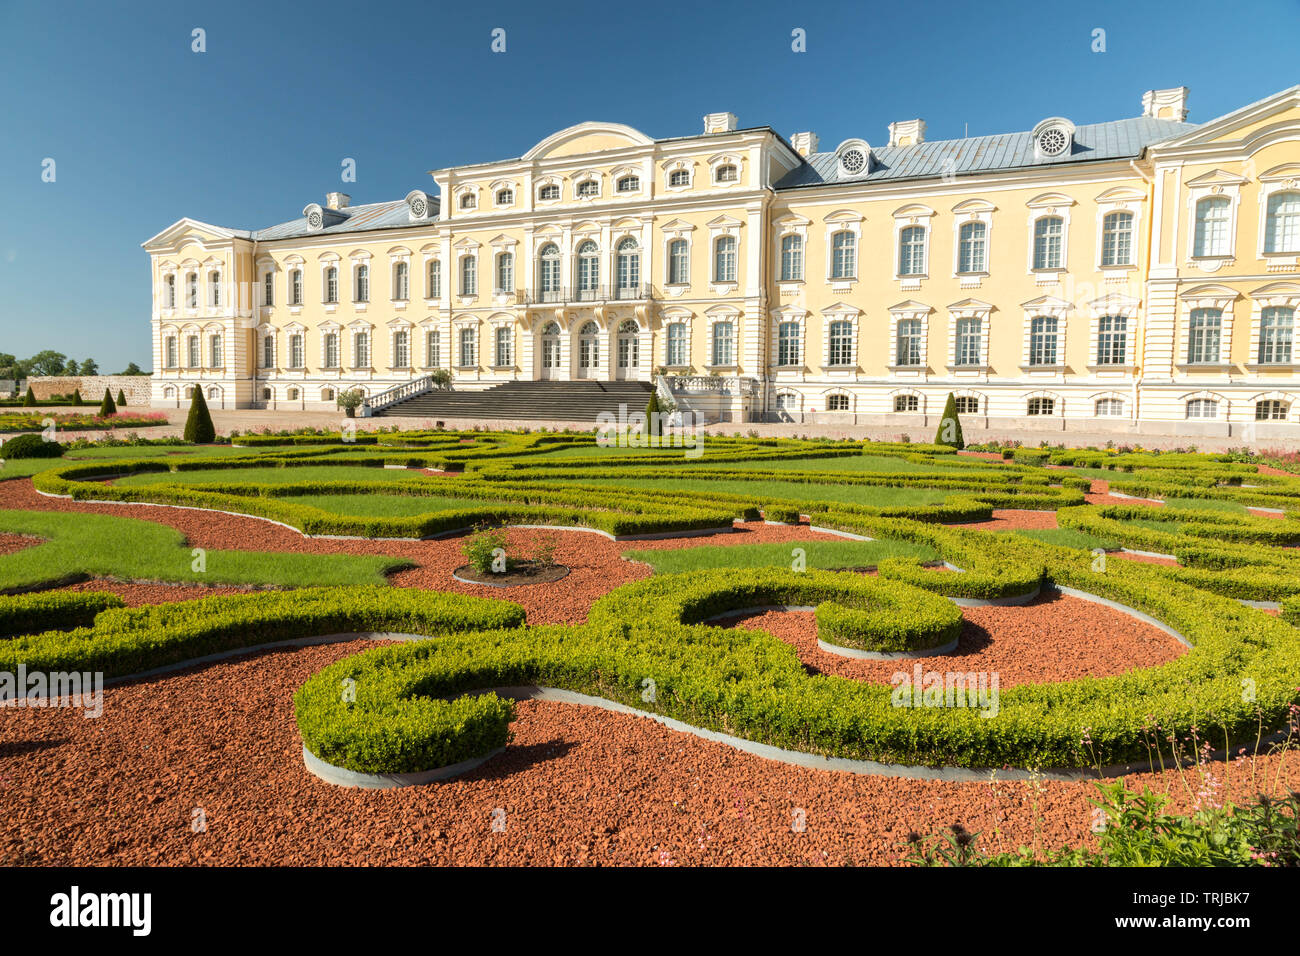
(52, 610)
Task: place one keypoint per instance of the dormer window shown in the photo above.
(549, 193)
(315, 218)
(854, 157)
(1053, 137)
(468, 201)
(505, 197)
(417, 202)
(629, 184)
(588, 188)
(727, 173)
(854, 161)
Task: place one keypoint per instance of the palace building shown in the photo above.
(1139, 276)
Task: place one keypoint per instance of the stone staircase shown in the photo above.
(578, 401)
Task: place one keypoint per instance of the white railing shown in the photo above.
(398, 393)
(711, 384)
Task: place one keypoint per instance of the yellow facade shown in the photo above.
(1088, 278)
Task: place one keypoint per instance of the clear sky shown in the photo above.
(144, 131)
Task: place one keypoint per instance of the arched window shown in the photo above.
(726, 174)
(468, 201)
(505, 349)
(432, 349)
(1204, 331)
(548, 273)
(588, 269)
(588, 346)
(505, 197)
(1112, 340)
(1282, 225)
(295, 287)
(724, 344)
(1041, 406)
(505, 273)
(907, 403)
(214, 285)
(837, 403)
(331, 285)
(1048, 234)
(971, 247)
(1276, 328)
(469, 275)
(1117, 239)
(1271, 410)
(468, 341)
(1042, 340)
(362, 283)
(588, 188)
(549, 193)
(435, 279)
(679, 177)
(401, 290)
(1211, 236)
(401, 349)
(792, 258)
(331, 350)
(679, 265)
(293, 395)
(1108, 407)
(911, 251)
(908, 350)
(724, 259)
(787, 344)
(844, 255)
(361, 350)
(295, 351)
(628, 264)
(677, 345)
(967, 405)
(169, 297)
(1202, 408)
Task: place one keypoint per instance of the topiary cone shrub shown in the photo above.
(76, 397)
(29, 400)
(652, 414)
(949, 432)
(198, 426)
(121, 398)
(106, 407)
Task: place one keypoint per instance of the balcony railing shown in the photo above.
(417, 386)
(601, 293)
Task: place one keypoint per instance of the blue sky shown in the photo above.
(144, 131)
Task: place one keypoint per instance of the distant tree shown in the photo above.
(121, 398)
(90, 367)
(47, 362)
(106, 407)
(198, 426)
(72, 368)
(950, 426)
(132, 369)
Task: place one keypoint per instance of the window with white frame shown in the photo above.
(971, 248)
(170, 350)
(588, 268)
(549, 193)
(679, 262)
(724, 259)
(1041, 406)
(1271, 410)
(840, 345)
(844, 255)
(724, 344)
(911, 251)
(169, 292)
(432, 349)
(1108, 407)
(192, 348)
(268, 289)
(505, 197)
(192, 291)
(1282, 223)
(295, 287)
(401, 349)
(1112, 340)
(792, 258)
(268, 351)
(468, 340)
(469, 275)
(1202, 408)
(628, 184)
(331, 350)
(1042, 340)
(907, 350)
(548, 272)
(295, 350)
(679, 177)
(677, 345)
(966, 405)
(968, 339)
(1211, 238)
(1117, 239)
(401, 282)
(468, 201)
(214, 285)
(1048, 234)
(588, 188)
(837, 403)
(907, 403)
(331, 285)
(1204, 334)
(628, 264)
(505, 272)
(589, 346)
(786, 401)
(1276, 328)
(435, 279)
(214, 350)
(787, 344)
(361, 350)
(726, 173)
(504, 343)
(361, 283)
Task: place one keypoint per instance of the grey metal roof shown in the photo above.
(1120, 139)
(360, 218)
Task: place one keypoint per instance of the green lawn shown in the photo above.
(1206, 504)
(271, 475)
(26, 467)
(383, 506)
(761, 492)
(90, 545)
(1068, 538)
(852, 464)
(817, 554)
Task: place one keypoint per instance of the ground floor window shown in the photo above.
(907, 403)
(1042, 406)
(967, 405)
(837, 403)
(1202, 408)
(1270, 410)
(1109, 407)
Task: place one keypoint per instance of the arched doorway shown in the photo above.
(629, 350)
(550, 351)
(588, 350)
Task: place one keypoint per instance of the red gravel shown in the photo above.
(1100, 495)
(1010, 519)
(1051, 639)
(1143, 558)
(136, 593)
(579, 786)
(12, 543)
(1257, 513)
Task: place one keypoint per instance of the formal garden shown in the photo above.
(544, 647)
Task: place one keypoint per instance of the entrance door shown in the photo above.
(550, 351)
(588, 350)
(629, 350)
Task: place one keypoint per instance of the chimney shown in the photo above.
(720, 122)
(337, 200)
(1166, 104)
(805, 144)
(907, 132)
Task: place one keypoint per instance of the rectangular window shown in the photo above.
(295, 351)
(1117, 239)
(432, 349)
(361, 350)
(192, 291)
(171, 352)
(1112, 340)
(724, 267)
(1042, 340)
(1204, 327)
(971, 247)
(844, 255)
(268, 351)
(214, 351)
(214, 283)
(295, 287)
(908, 350)
(1048, 233)
(505, 339)
(469, 275)
(435, 279)
(331, 285)
(331, 350)
(792, 259)
(968, 341)
(788, 344)
(401, 350)
(506, 272)
(1211, 236)
(268, 289)
(192, 348)
(677, 344)
(724, 344)
(840, 351)
(467, 348)
(911, 251)
(678, 263)
(1275, 331)
(401, 285)
(363, 283)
